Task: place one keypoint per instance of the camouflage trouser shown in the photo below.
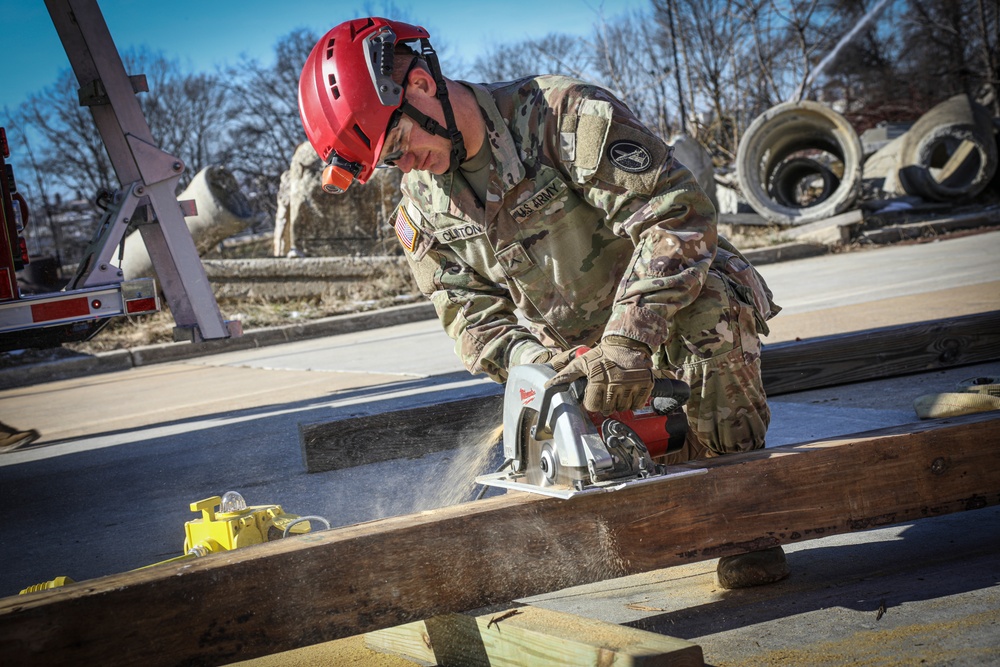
(714, 347)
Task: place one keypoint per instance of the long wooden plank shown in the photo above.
(348, 581)
(398, 434)
(786, 368)
(880, 353)
(531, 636)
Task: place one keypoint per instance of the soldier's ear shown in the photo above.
(420, 80)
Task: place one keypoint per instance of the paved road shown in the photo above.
(830, 281)
(124, 453)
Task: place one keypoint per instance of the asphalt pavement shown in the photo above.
(122, 454)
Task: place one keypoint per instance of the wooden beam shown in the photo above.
(531, 636)
(786, 368)
(351, 580)
(398, 434)
(880, 353)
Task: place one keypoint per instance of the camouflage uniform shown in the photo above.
(590, 228)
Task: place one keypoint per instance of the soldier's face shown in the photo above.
(422, 150)
(425, 152)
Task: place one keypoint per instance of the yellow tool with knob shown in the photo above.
(226, 523)
(235, 525)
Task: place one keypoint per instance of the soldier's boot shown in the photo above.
(11, 440)
(752, 569)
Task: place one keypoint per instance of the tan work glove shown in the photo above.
(561, 360)
(619, 375)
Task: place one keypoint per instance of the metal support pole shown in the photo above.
(142, 168)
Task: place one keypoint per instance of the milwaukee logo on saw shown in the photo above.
(526, 396)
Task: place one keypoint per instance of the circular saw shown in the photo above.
(555, 447)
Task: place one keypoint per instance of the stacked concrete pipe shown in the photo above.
(223, 210)
(950, 153)
(793, 142)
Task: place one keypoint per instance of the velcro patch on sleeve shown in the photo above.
(406, 231)
(591, 132)
(632, 159)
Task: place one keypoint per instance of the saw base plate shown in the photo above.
(511, 481)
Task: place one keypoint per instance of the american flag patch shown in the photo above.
(406, 231)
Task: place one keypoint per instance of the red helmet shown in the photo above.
(347, 96)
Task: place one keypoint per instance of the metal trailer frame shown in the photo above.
(146, 202)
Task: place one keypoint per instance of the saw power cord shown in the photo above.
(305, 518)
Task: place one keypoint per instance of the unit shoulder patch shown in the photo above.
(630, 156)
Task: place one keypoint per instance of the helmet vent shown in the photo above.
(357, 28)
(364, 137)
(333, 86)
(329, 49)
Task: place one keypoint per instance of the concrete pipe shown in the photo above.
(693, 155)
(950, 152)
(223, 210)
(799, 162)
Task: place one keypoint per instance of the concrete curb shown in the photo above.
(119, 360)
(784, 252)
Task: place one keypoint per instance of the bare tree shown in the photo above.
(191, 119)
(715, 34)
(553, 54)
(187, 116)
(267, 128)
(631, 56)
(71, 155)
(988, 24)
(953, 45)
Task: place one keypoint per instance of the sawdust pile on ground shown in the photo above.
(915, 644)
(349, 651)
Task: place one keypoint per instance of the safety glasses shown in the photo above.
(397, 140)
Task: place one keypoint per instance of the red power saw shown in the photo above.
(554, 447)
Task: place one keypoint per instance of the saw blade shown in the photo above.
(541, 459)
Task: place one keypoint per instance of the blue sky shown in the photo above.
(205, 33)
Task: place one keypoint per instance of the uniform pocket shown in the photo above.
(748, 286)
(704, 329)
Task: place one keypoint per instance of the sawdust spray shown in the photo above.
(456, 480)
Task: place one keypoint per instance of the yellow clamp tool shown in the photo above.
(234, 525)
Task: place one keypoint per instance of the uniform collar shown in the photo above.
(508, 170)
(459, 200)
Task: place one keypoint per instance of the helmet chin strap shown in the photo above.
(428, 124)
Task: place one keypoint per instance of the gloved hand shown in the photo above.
(619, 375)
(561, 360)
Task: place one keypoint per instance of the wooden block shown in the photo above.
(531, 637)
(831, 231)
(347, 581)
(399, 434)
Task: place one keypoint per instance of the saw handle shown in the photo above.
(667, 396)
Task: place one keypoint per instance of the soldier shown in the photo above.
(547, 198)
